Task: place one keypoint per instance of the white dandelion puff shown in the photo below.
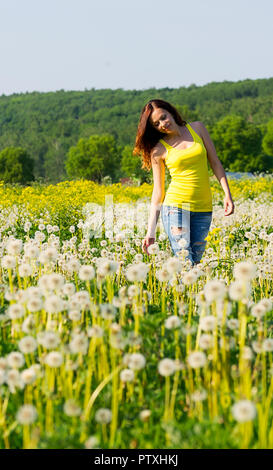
(239, 290)
(28, 376)
(136, 361)
(14, 247)
(92, 442)
(25, 270)
(15, 311)
(172, 322)
(8, 262)
(267, 345)
(206, 341)
(199, 395)
(145, 415)
(244, 271)
(15, 360)
(197, 359)
(127, 375)
(103, 416)
(166, 367)
(53, 304)
(208, 323)
(54, 359)
(86, 273)
(27, 414)
(27, 344)
(214, 290)
(189, 278)
(78, 344)
(244, 411)
(71, 408)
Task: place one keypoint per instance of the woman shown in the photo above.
(164, 138)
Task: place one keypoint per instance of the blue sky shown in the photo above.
(47, 45)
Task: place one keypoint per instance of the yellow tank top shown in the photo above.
(189, 188)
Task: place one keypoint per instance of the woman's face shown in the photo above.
(162, 120)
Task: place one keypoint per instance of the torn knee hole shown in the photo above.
(199, 243)
(178, 230)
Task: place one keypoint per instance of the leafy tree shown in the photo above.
(131, 165)
(268, 139)
(93, 158)
(16, 166)
(48, 124)
(238, 143)
(186, 113)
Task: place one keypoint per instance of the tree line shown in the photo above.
(90, 134)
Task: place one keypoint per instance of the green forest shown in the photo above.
(90, 134)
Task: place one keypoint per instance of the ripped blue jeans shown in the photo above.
(193, 227)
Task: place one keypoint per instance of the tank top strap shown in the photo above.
(194, 135)
(167, 146)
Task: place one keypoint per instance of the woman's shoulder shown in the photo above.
(197, 126)
(158, 152)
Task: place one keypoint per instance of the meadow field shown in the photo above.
(102, 346)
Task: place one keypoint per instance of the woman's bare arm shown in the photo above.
(158, 194)
(216, 166)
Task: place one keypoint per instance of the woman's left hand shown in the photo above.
(228, 205)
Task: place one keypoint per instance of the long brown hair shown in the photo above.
(147, 136)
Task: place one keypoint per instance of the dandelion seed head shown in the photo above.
(214, 290)
(206, 341)
(172, 322)
(34, 304)
(245, 270)
(13, 379)
(73, 265)
(71, 408)
(208, 323)
(95, 332)
(92, 442)
(69, 289)
(247, 353)
(153, 249)
(199, 395)
(28, 376)
(197, 359)
(103, 416)
(8, 262)
(127, 375)
(145, 415)
(55, 281)
(173, 265)
(2, 376)
(239, 290)
(74, 315)
(107, 311)
(243, 411)
(166, 367)
(267, 304)
(14, 247)
(53, 304)
(79, 344)
(267, 345)
(15, 360)
(15, 311)
(86, 273)
(3, 363)
(27, 414)
(136, 361)
(189, 278)
(54, 359)
(25, 270)
(27, 344)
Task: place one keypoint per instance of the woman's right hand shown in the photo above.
(147, 241)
